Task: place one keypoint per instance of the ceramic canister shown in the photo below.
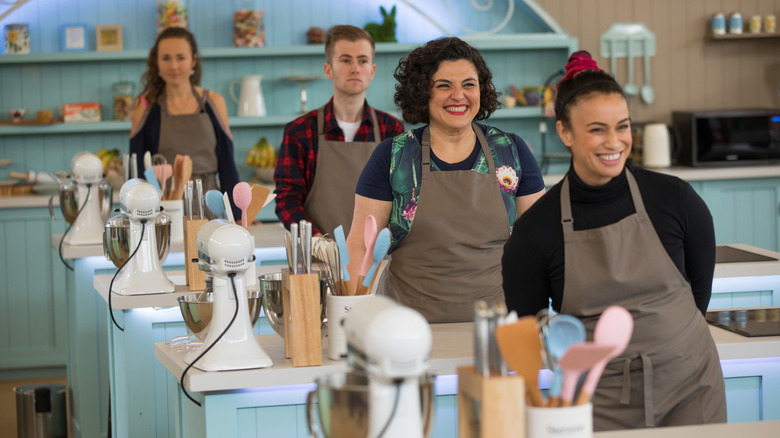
(718, 24)
(17, 38)
(735, 23)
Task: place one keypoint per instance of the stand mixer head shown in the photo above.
(391, 344)
(225, 250)
(138, 226)
(86, 200)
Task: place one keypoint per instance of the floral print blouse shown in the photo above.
(406, 173)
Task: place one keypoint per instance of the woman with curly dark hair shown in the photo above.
(449, 191)
(175, 116)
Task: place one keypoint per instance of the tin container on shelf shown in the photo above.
(171, 13)
(123, 99)
(248, 30)
(770, 23)
(17, 38)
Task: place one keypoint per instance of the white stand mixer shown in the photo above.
(87, 228)
(142, 273)
(226, 251)
(391, 344)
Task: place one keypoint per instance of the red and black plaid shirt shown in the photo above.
(294, 174)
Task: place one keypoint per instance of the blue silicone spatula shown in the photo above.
(214, 203)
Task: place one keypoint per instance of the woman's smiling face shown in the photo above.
(599, 137)
(454, 95)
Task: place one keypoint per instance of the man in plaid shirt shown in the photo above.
(336, 152)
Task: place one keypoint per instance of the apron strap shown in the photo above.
(201, 102)
(566, 219)
(426, 149)
(321, 124)
(647, 383)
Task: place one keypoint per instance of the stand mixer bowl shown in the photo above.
(196, 309)
(116, 238)
(344, 405)
(271, 288)
(69, 200)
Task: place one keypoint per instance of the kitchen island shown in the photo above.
(92, 340)
(252, 402)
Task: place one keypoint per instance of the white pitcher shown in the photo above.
(251, 103)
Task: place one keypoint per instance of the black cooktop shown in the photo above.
(764, 321)
(727, 254)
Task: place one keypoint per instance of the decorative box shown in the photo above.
(81, 112)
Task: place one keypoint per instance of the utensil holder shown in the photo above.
(302, 325)
(490, 406)
(195, 278)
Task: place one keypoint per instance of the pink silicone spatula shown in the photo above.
(242, 197)
(578, 359)
(369, 236)
(614, 329)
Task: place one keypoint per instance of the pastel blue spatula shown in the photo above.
(381, 246)
(151, 178)
(563, 331)
(341, 242)
(214, 203)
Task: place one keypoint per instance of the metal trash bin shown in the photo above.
(40, 411)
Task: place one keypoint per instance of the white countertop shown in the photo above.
(732, 430)
(749, 269)
(452, 347)
(699, 173)
(124, 302)
(266, 236)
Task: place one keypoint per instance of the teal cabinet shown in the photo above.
(744, 210)
(33, 318)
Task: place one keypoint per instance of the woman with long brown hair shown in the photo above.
(174, 115)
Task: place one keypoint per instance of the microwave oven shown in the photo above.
(727, 137)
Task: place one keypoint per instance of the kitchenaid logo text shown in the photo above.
(564, 430)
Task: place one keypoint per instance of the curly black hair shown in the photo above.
(415, 72)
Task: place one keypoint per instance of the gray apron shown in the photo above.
(331, 201)
(193, 135)
(451, 256)
(670, 373)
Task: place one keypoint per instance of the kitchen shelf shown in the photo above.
(743, 36)
(514, 42)
(233, 122)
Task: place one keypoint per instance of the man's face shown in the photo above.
(351, 68)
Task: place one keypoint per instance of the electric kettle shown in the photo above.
(656, 146)
(251, 102)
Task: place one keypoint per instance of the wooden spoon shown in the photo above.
(259, 195)
(521, 348)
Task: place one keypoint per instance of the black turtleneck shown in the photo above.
(533, 261)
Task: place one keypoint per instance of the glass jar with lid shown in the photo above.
(123, 99)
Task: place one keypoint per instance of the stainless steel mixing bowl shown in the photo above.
(344, 405)
(271, 288)
(116, 238)
(69, 202)
(196, 309)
